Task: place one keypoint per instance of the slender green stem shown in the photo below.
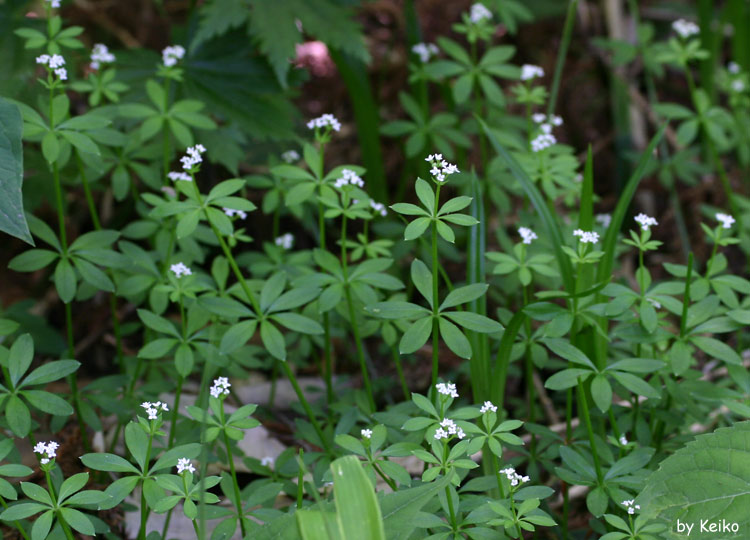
(562, 52)
(175, 410)
(496, 469)
(144, 505)
(353, 319)
(515, 517)
(165, 150)
(400, 370)
(382, 475)
(235, 485)
(583, 403)
(306, 406)
(435, 297)
(448, 496)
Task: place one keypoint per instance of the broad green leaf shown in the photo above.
(356, 504)
(12, 219)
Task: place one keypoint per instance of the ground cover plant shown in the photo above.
(492, 325)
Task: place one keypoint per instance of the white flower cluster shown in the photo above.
(323, 121)
(542, 141)
(646, 222)
(733, 67)
(379, 208)
(175, 176)
(193, 156)
(220, 387)
(530, 71)
(55, 63)
(366, 433)
(183, 464)
(153, 409)
(447, 428)
(100, 55)
(527, 235)
(586, 237)
(47, 450)
(267, 461)
(172, 54)
(623, 440)
(349, 178)
(440, 167)
(726, 220)
(488, 407)
(290, 156)
(425, 51)
(631, 506)
(541, 118)
(514, 478)
(179, 269)
(447, 389)
(603, 219)
(479, 13)
(231, 212)
(55, 4)
(685, 28)
(285, 241)
(738, 85)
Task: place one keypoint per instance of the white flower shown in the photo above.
(539, 118)
(488, 406)
(645, 221)
(285, 241)
(42, 59)
(631, 506)
(193, 156)
(733, 67)
(100, 55)
(232, 212)
(267, 461)
(556, 120)
(527, 235)
(183, 464)
(62, 74)
(603, 219)
(726, 220)
(47, 450)
(323, 121)
(685, 28)
(447, 389)
(654, 303)
(440, 167)
(738, 85)
(349, 178)
(542, 141)
(172, 54)
(183, 176)
(379, 208)
(514, 478)
(220, 387)
(441, 434)
(179, 269)
(425, 51)
(290, 156)
(623, 440)
(479, 13)
(530, 71)
(366, 433)
(55, 4)
(449, 427)
(153, 409)
(56, 61)
(587, 237)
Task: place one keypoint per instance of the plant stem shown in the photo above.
(16, 523)
(583, 403)
(435, 298)
(144, 506)
(175, 409)
(496, 470)
(306, 406)
(400, 370)
(238, 499)
(353, 319)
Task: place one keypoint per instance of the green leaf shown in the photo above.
(356, 504)
(422, 279)
(237, 336)
(400, 509)
(12, 218)
(464, 295)
(705, 480)
(50, 371)
(454, 338)
(108, 462)
(298, 323)
(416, 228)
(567, 351)
(22, 511)
(273, 340)
(79, 521)
(158, 323)
(65, 280)
(18, 416)
(42, 525)
(416, 335)
(72, 485)
(717, 349)
(31, 260)
(425, 194)
(601, 391)
(474, 321)
(47, 402)
(21, 355)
